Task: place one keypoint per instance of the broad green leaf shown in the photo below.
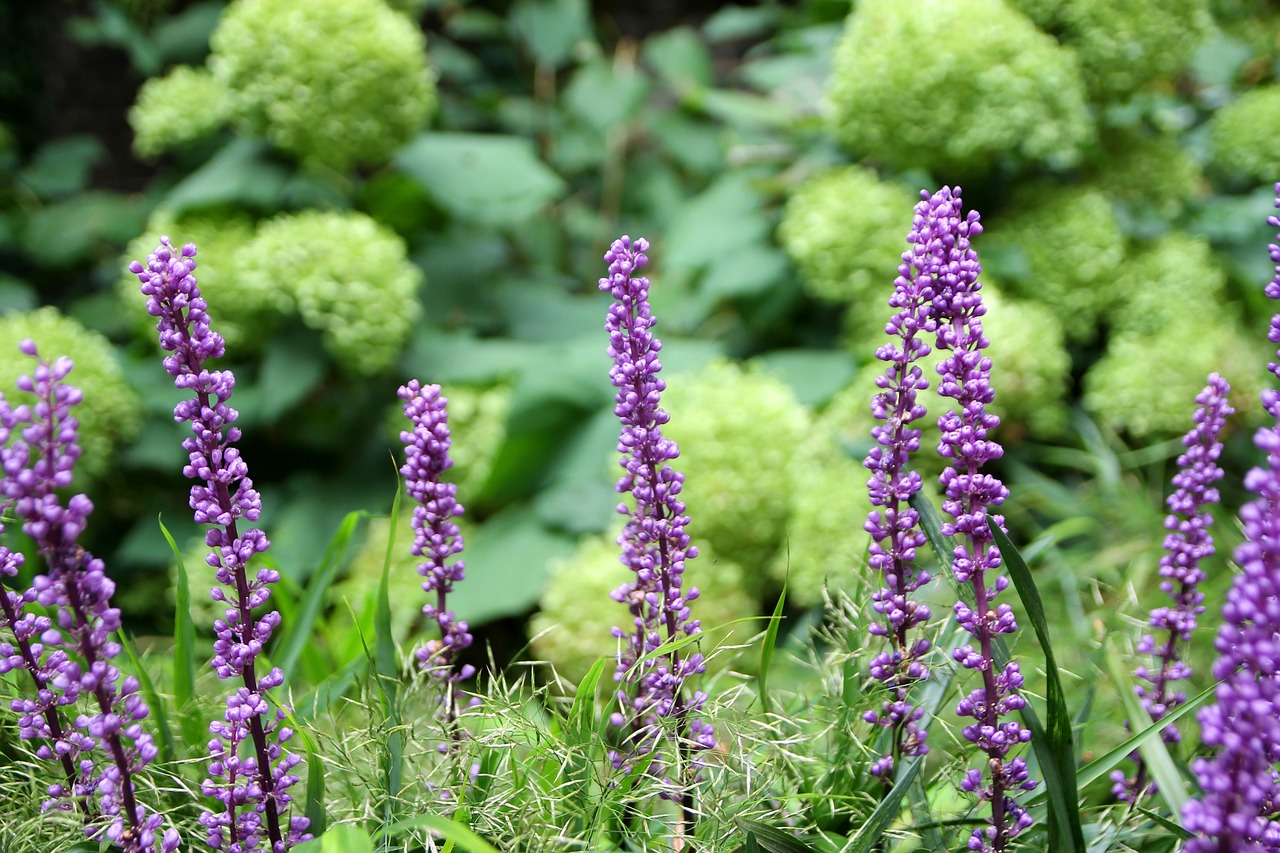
(488, 178)
(550, 29)
(183, 37)
(1155, 754)
(338, 839)
(456, 833)
(67, 232)
(745, 109)
(727, 216)
(681, 58)
(1057, 757)
(63, 166)
(292, 366)
(606, 94)
(773, 840)
(815, 375)
(751, 272)
(242, 173)
(870, 835)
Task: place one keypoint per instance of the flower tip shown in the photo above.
(27, 346)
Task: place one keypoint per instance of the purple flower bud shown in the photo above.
(655, 546)
(223, 494)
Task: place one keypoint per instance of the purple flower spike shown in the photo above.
(654, 543)
(1188, 542)
(73, 659)
(895, 526)
(436, 537)
(945, 254)
(253, 790)
(1239, 782)
(1271, 397)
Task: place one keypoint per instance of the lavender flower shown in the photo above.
(79, 650)
(1239, 782)
(946, 256)
(895, 528)
(1271, 397)
(435, 537)
(1186, 545)
(654, 543)
(253, 788)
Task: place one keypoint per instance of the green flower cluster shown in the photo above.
(241, 311)
(336, 83)
(184, 105)
(910, 92)
(571, 629)
(111, 412)
(349, 278)
(1068, 245)
(738, 430)
(1031, 366)
(1151, 171)
(846, 230)
(1172, 331)
(1123, 47)
(345, 275)
(1243, 135)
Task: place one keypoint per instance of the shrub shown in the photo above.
(1243, 135)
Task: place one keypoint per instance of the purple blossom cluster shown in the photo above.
(436, 538)
(72, 660)
(654, 543)
(1240, 784)
(944, 254)
(1188, 542)
(252, 788)
(894, 526)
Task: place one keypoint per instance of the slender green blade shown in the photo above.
(1057, 754)
(773, 840)
(451, 831)
(184, 631)
(766, 651)
(297, 634)
(156, 702)
(870, 835)
(582, 712)
(1154, 754)
(388, 673)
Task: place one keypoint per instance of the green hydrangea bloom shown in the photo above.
(1122, 47)
(111, 412)
(184, 105)
(1244, 137)
(1153, 171)
(1175, 278)
(572, 627)
(907, 91)
(738, 430)
(826, 545)
(335, 82)
(846, 230)
(1030, 366)
(349, 277)
(241, 310)
(1070, 245)
(1145, 385)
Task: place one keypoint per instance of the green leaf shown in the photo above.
(1105, 763)
(242, 173)
(159, 707)
(338, 839)
(766, 649)
(1179, 831)
(488, 178)
(750, 272)
(745, 109)
(184, 630)
(771, 839)
(871, 834)
(292, 366)
(606, 94)
(582, 712)
(815, 375)
(550, 29)
(453, 832)
(388, 671)
(1057, 754)
(62, 167)
(297, 633)
(681, 58)
(67, 232)
(726, 217)
(1154, 753)
(183, 37)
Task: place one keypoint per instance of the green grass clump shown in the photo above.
(846, 230)
(1244, 138)
(184, 105)
(333, 82)
(906, 91)
(111, 413)
(738, 430)
(348, 276)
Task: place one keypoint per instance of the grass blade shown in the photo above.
(387, 668)
(451, 831)
(184, 631)
(1154, 753)
(766, 651)
(1057, 755)
(155, 701)
(582, 712)
(297, 632)
(871, 834)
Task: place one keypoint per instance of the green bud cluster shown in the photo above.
(908, 91)
(1243, 134)
(184, 105)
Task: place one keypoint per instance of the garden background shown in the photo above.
(425, 189)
